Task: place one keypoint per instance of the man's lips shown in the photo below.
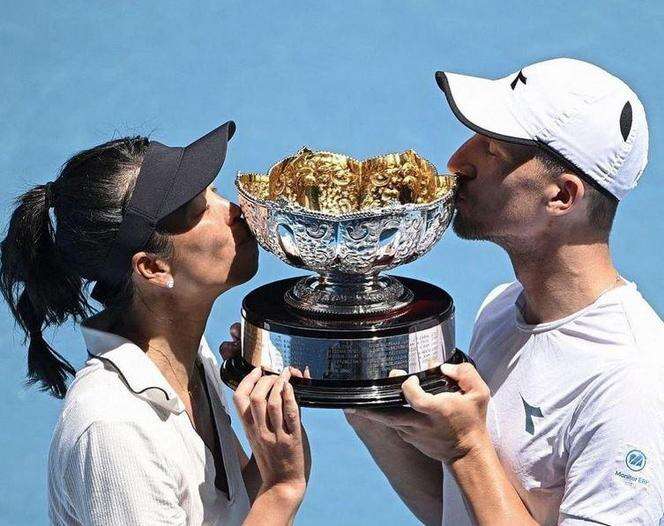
(461, 200)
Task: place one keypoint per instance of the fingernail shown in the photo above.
(350, 411)
(397, 372)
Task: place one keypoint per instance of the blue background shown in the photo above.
(348, 76)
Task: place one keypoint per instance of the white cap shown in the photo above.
(571, 108)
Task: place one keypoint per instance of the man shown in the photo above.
(563, 420)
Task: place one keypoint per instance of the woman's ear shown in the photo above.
(565, 194)
(153, 269)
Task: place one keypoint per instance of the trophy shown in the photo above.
(348, 325)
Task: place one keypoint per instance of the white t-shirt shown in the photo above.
(125, 453)
(577, 409)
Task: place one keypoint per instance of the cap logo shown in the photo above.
(626, 120)
(520, 77)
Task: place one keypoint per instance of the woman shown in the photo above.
(144, 436)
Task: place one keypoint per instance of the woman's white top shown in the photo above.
(124, 451)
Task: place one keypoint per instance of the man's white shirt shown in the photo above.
(577, 409)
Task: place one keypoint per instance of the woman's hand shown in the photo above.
(271, 419)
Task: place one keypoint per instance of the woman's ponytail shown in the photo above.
(46, 265)
(39, 287)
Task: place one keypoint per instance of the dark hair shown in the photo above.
(601, 205)
(45, 266)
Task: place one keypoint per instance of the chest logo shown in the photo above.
(531, 412)
(635, 460)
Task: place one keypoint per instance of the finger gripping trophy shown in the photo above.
(347, 327)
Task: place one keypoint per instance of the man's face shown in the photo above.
(501, 191)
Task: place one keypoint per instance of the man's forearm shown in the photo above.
(483, 481)
(417, 479)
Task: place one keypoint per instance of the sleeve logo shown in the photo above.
(635, 460)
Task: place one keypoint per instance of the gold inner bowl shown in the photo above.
(336, 184)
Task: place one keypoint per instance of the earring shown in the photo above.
(170, 283)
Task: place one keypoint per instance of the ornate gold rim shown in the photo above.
(295, 208)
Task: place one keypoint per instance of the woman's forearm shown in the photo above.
(250, 474)
(483, 481)
(276, 506)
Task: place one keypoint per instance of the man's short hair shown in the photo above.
(601, 205)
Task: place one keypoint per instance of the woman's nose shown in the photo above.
(234, 213)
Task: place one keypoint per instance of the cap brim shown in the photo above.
(199, 166)
(484, 106)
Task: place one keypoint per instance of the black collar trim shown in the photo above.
(124, 379)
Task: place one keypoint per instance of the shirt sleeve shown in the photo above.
(615, 467)
(480, 327)
(115, 475)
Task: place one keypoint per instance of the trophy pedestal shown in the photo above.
(346, 359)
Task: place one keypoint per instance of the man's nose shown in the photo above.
(462, 170)
(460, 164)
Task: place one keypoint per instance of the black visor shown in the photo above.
(169, 177)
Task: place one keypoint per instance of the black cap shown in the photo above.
(169, 177)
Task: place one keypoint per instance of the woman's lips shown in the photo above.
(245, 236)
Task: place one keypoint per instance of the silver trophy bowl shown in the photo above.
(347, 251)
(348, 325)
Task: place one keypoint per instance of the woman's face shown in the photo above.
(214, 249)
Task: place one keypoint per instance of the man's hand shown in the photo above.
(446, 426)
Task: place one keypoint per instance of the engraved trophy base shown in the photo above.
(346, 359)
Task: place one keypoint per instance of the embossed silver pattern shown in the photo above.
(356, 243)
(349, 250)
